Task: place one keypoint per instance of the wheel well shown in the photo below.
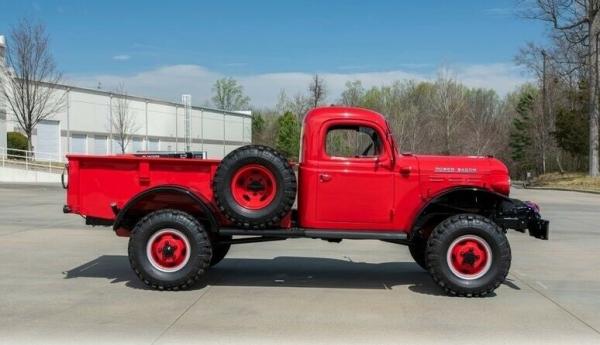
(163, 197)
(452, 202)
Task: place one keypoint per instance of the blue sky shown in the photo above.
(277, 44)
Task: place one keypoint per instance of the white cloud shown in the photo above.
(122, 57)
(170, 82)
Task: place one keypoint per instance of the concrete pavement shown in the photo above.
(63, 282)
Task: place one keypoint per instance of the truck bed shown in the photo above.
(97, 184)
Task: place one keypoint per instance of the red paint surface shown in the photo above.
(376, 193)
(245, 183)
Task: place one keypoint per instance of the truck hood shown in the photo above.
(438, 173)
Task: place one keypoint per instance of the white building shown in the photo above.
(83, 125)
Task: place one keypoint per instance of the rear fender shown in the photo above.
(161, 197)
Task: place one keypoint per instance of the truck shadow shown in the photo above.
(283, 271)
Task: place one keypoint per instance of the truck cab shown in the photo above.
(351, 176)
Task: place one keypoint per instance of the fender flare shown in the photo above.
(449, 191)
(200, 201)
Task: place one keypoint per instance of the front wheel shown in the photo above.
(468, 255)
(417, 250)
(169, 250)
(220, 249)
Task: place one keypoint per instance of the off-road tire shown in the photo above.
(285, 192)
(417, 249)
(219, 250)
(200, 250)
(467, 224)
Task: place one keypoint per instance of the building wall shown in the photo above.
(85, 123)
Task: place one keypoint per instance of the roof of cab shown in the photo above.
(321, 114)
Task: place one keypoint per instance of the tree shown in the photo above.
(298, 105)
(571, 132)
(571, 126)
(258, 127)
(520, 135)
(30, 85)
(353, 94)
(123, 120)
(576, 23)
(16, 143)
(448, 105)
(481, 121)
(288, 136)
(317, 91)
(229, 95)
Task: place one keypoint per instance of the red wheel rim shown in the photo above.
(253, 187)
(469, 257)
(168, 250)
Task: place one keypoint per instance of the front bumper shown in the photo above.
(521, 216)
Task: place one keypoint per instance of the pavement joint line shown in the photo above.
(90, 266)
(541, 284)
(180, 316)
(43, 227)
(573, 315)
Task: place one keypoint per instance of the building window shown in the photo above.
(100, 144)
(153, 144)
(78, 143)
(137, 144)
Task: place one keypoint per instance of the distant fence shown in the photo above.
(31, 160)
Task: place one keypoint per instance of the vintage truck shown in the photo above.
(182, 213)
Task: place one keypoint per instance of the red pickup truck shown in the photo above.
(182, 213)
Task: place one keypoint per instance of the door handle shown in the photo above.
(324, 177)
(405, 170)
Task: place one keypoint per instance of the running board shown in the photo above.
(316, 233)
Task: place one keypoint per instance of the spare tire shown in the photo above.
(254, 186)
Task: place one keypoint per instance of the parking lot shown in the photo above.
(63, 282)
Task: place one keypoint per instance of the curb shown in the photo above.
(562, 189)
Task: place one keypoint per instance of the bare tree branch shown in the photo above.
(31, 81)
(123, 120)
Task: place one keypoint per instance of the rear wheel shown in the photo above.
(468, 255)
(169, 250)
(254, 186)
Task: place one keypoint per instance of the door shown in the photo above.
(355, 180)
(48, 141)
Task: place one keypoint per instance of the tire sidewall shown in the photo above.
(189, 229)
(489, 276)
(439, 266)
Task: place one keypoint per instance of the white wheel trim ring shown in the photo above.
(156, 264)
(485, 269)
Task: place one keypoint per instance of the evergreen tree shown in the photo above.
(258, 126)
(520, 134)
(572, 132)
(572, 129)
(288, 136)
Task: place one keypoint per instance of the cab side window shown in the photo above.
(352, 142)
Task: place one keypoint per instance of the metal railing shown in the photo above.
(31, 160)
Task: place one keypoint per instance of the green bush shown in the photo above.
(16, 141)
